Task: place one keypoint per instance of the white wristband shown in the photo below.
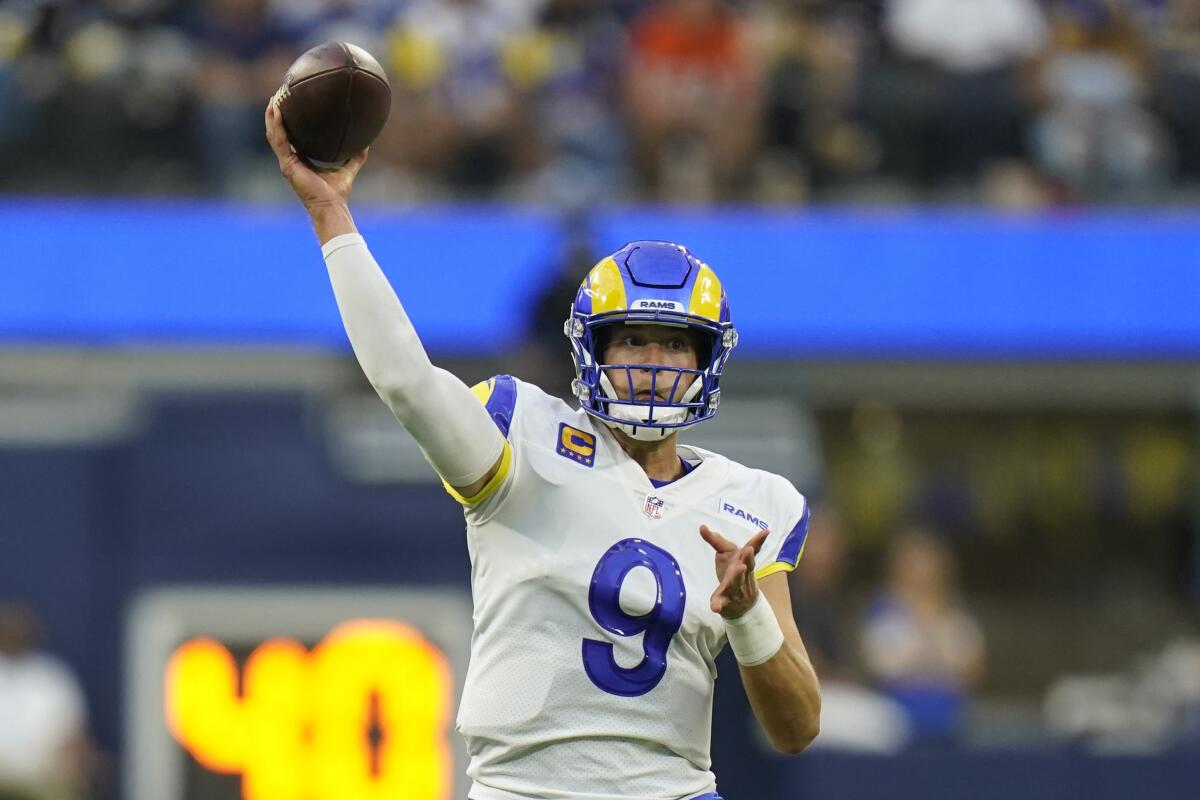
(340, 241)
(755, 636)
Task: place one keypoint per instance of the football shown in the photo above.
(334, 100)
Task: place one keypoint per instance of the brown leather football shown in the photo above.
(335, 100)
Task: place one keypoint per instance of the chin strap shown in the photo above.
(633, 415)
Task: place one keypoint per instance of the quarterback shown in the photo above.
(610, 564)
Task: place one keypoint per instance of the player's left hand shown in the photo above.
(737, 589)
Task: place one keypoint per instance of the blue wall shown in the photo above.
(854, 284)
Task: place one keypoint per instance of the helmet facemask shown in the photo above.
(690, 395)
(650, 283)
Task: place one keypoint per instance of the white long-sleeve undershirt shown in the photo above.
(442, 414)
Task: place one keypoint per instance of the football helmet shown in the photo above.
(657, 283)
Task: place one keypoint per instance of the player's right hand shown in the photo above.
(737, 590)
(317, 189)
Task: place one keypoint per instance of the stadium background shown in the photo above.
(960, 244)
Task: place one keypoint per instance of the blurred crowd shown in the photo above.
(1012, 103)
(902, 660)
(44, 749)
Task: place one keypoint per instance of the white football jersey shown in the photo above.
(592, 661)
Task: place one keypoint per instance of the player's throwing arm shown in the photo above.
(438, 409)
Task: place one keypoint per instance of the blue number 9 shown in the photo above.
(659, 624)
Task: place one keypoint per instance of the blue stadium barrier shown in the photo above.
(926, 284)
(193, 273)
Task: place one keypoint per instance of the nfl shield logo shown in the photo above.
(654, 506)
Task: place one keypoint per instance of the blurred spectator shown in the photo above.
(43, 746)
(17, 26)
(456, 116)
(1175, 58)
(814, 52)
(946, 97)
(694, 86)
(568, 69)
(817, 599)
(1095, 134)
(966, 36)
(919, 644)
(853, 717)
(312, 22)
(245, 53)
(1150, 707)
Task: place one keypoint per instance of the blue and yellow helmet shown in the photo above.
(658, 283)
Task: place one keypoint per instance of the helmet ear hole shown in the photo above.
(604, 336)
(705, 344)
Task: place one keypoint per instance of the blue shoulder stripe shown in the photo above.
(792, 546)
(503, 401)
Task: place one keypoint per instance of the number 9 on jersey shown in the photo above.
(659, 624)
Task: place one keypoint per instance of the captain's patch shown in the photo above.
(577, 445)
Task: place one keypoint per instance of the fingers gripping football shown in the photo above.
(736, 589)
(314, 188)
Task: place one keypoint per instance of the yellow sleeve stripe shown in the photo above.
(491, 486)
(483, 390)
(771, 569)
(777, 566)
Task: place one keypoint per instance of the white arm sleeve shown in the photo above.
(442, 414)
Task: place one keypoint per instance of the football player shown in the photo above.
(610, 564)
